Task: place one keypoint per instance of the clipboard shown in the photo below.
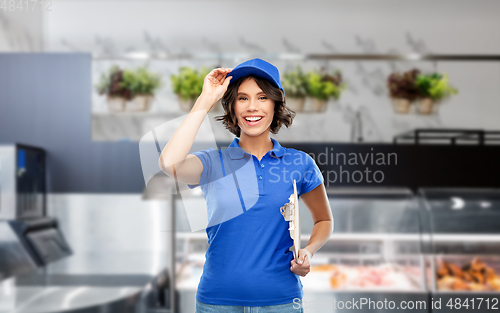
(291, 213)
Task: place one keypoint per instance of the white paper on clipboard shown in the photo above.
(291, 213)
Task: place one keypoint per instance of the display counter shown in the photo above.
(462, 244)
(373, 259)
(94, 282)
(390, 250)
(374, 252)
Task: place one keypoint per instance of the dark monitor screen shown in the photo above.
(30, 177)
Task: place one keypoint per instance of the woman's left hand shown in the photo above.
(302, 266)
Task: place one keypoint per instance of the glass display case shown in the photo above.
(375, 244)
(374, 252)
(461, 229)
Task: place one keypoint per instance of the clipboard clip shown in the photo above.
(288, 210)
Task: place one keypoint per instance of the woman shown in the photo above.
(248, 262)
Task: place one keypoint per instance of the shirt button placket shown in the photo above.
(258, 169)
(261, 177)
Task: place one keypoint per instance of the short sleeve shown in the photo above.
(312, 176)
(206, 160)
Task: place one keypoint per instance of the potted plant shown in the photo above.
(403, 90)
(112, 85)
(143, 85)
(433, 88)
(294, 83)
(188, 85)
(323, 86)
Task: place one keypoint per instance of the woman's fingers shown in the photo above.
(227, 81)
(220, 77)
(299, 269)
(217, 76)
(223, 71)
(214, 73)
(212, 80)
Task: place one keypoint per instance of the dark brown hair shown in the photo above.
(282, 114)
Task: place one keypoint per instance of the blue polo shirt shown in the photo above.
(248, 258)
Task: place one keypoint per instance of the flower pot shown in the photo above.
(318, 105)
(186, 105)
(296, 104)
(401, 106)
(140, 103)
(426, 106)
(116, 104)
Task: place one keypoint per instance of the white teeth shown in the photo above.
(253, 119)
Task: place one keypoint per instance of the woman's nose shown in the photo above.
(252, 105)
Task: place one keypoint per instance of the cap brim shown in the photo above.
(247, 70)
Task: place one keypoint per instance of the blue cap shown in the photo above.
(257, 67)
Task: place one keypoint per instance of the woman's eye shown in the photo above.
(263, 97)
(241, 98)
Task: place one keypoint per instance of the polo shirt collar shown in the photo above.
(236, 152)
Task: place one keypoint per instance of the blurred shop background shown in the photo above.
(397, 101)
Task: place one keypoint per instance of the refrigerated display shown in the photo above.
(374, 252)
(375, 245)
(462, 246)
(437, 250)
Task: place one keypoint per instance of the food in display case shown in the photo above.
(351, 277)
(472, 276)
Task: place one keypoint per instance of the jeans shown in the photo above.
(292, 307)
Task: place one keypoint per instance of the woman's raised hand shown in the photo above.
(215, 83)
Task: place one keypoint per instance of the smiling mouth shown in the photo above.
(253, 119)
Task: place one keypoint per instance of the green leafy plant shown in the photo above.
(188, 84)
(295, 84)
(322, 85)
(113, 83)
(434, 86)
(404, 85)
(141, 81)
(128, 83)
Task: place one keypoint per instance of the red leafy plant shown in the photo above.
(404, 85)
